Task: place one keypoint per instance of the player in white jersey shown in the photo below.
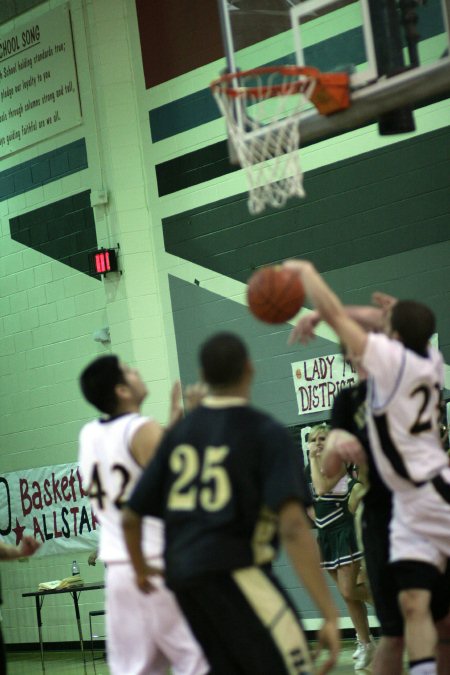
(145, 633)
(405, 377)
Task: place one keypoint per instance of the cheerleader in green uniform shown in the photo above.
(341, 555)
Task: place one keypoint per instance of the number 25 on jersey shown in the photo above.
(199, 483)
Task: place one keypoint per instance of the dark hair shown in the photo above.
(415, 323)
(98, 381)
(223, 358)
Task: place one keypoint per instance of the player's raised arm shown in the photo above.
(176, 409)
(27, 547)
(384, 301)
(368, 317)
(301, 547)
(193, 395)
(322, 482)
(330, 307)
(341, 446)
(305, 328)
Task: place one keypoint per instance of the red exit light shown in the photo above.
(103, 261)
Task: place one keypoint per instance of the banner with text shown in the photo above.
(50, 504)
(38, 82)
(317, 381)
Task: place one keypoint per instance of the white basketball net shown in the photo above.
(263, 125)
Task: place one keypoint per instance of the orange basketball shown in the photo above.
(275, 294)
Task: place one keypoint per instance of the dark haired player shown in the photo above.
(405, 379)
(348, 441)
(349, 415)
(226, 480)
(145, 634)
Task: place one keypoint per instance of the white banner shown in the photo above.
(317, 381)
(50, 504)
(38, 82)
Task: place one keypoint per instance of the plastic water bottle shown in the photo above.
(75, 568)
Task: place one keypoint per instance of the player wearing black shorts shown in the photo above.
(228, 482)
(348, 413)
(406, 376)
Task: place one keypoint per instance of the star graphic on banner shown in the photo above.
(18, 529)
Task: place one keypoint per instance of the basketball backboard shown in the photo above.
(329, 21)
(331, 35)
(396, 54)
(336, 35)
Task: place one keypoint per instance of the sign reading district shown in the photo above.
(38, 82)
(317, 381)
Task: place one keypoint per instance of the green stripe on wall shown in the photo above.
(328, 54)
(198, 108)
(213, 161)
(9, 9)
(371, 206)
(63, 230)
(43, 169)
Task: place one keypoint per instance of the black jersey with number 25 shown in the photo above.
(218, 480)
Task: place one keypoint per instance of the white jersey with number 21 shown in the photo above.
(403, 412)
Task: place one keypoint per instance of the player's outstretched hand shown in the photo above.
(329, 639)
(28, 546)
(143, 578)
(295, 264)
(176, 409)
(346, 446)
(92, 560)
(383, 300)
(304, 330)
(194, 395)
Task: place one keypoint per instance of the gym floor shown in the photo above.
(70, 663)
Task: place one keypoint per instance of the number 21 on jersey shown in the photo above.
(428, 401)
(199, 483)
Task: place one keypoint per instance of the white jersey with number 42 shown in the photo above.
(109, 473)
(403, 412)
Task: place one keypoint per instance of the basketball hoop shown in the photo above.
(262, 109)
